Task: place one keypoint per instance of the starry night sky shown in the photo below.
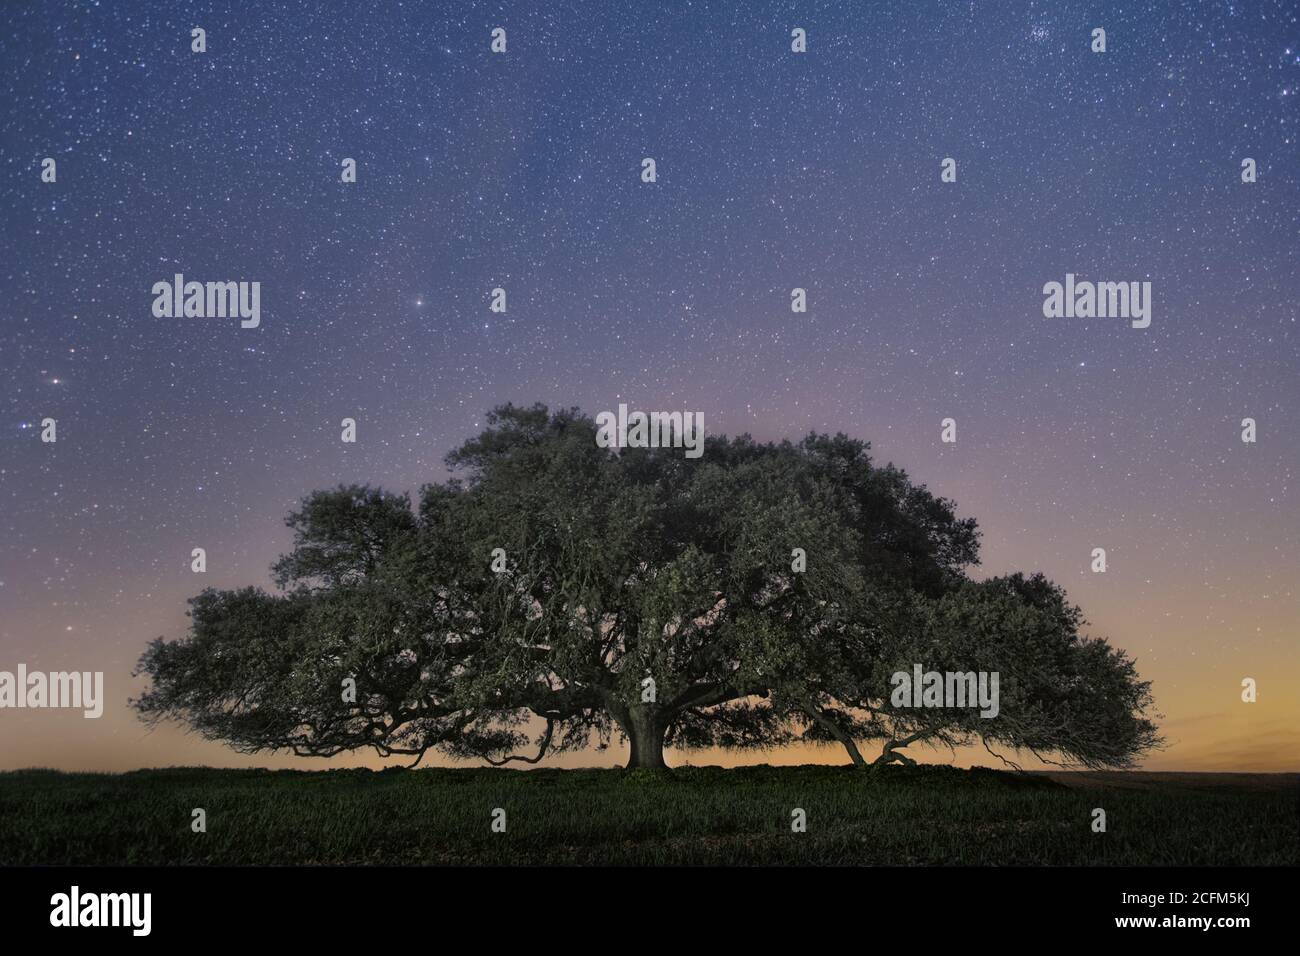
(775, 170)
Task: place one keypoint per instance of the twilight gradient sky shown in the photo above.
(776, 170)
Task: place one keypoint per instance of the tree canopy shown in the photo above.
(554, 595)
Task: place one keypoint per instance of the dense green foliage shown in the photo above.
(560, 595)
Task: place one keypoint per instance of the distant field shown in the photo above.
(692, 815)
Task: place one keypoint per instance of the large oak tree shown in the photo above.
(556, 594)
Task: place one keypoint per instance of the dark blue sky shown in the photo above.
(775, 170)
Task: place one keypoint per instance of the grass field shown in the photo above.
(898, 815)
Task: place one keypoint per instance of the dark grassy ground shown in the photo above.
(923, 815)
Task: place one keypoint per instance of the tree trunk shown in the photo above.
(812, 710)
(645, 730)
